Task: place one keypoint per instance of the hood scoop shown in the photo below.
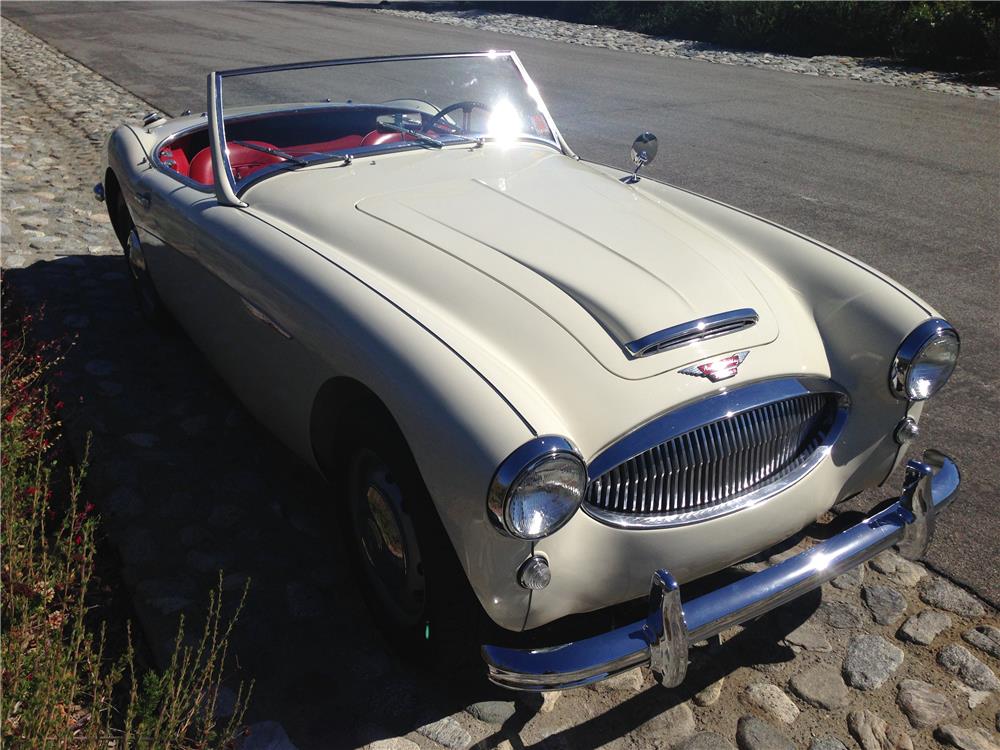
(694, 330)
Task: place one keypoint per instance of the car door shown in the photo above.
(206, 262)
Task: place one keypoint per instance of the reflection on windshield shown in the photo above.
(282, 118)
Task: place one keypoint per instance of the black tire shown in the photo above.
(147, 298)
(439, 621)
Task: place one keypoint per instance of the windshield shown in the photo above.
(285, 117)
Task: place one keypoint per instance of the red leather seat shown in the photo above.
(337, 144)
(377, 138)
(175, 159)
(243, 161)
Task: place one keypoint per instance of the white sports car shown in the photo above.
(536, 384)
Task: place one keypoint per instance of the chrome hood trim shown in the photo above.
(694, 330)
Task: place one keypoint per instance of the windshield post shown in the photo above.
(225, 185)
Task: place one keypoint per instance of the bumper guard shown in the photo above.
(663, 638)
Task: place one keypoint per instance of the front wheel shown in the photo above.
(149, 302)
(410, 574)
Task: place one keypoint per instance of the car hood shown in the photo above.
(536, 268)
(583, 244)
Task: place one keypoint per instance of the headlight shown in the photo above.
(538, 488)
(925, 361)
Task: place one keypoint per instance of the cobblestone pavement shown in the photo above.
(871, 70)
(887, 657)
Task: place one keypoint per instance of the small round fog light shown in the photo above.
(534, 573)
(906, 431)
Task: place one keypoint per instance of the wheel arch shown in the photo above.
(338, 403)
(114, 199)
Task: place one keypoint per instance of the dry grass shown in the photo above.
(61, 686)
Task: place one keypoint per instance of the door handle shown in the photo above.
(262, 317)
(144, 199)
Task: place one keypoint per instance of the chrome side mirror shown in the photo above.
(643, 152)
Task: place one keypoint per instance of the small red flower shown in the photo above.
(78, 539)
(89, 508)
(60, 404)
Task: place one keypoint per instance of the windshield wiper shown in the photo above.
(415, 133)
(346, 158)
(273, 151)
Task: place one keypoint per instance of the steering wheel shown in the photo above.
(466, 107)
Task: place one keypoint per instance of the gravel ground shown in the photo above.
(872, 70)
(891, 656)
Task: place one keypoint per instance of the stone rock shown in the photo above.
(960, 662)
(821, 686)
(944, 595)
(964, 739)
(123, 502)
(709, 694)
(137, 546)
(851, 580)
(631, 681)
(393, 743)
(110, 388)
(923, 705)
(196, 425)
(549, 700)
(808, 637)
(986, 638)
(142, 439)
(225, 516)
(754, 734)
(304, 601)
(841, 615)
(492, 712)
(705, 741)
(827, 743)
(447, 732)
(974, 698)
(100, 368)
(265, 735)
(898, 569)
(873, 733)
(225, 702)
(772, 700)
(886, 604)
(924, 627)
(870, 661)
(671, 726)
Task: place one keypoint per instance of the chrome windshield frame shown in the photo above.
(228, 191)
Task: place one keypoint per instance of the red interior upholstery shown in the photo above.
(245, 161)
(242, 160)
(337, 144)
(176, 159)
(377, 138)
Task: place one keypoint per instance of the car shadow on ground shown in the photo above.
(188, 485)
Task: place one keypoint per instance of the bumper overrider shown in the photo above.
(663, 638)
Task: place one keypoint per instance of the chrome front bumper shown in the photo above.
(663, 638)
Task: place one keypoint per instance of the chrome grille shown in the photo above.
(708, 468)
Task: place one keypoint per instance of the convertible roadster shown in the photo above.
(539, 386)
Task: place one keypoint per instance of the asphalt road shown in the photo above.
(904, 179)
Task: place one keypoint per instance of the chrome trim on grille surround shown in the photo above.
(699, 414)
(694, 330)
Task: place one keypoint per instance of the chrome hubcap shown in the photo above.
(386, 539)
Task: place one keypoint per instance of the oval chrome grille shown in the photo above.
(704, 471)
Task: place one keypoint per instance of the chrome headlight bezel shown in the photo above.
(519, 466)
(910, 352)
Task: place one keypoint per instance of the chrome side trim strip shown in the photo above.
(694, 330)
(935, 481)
